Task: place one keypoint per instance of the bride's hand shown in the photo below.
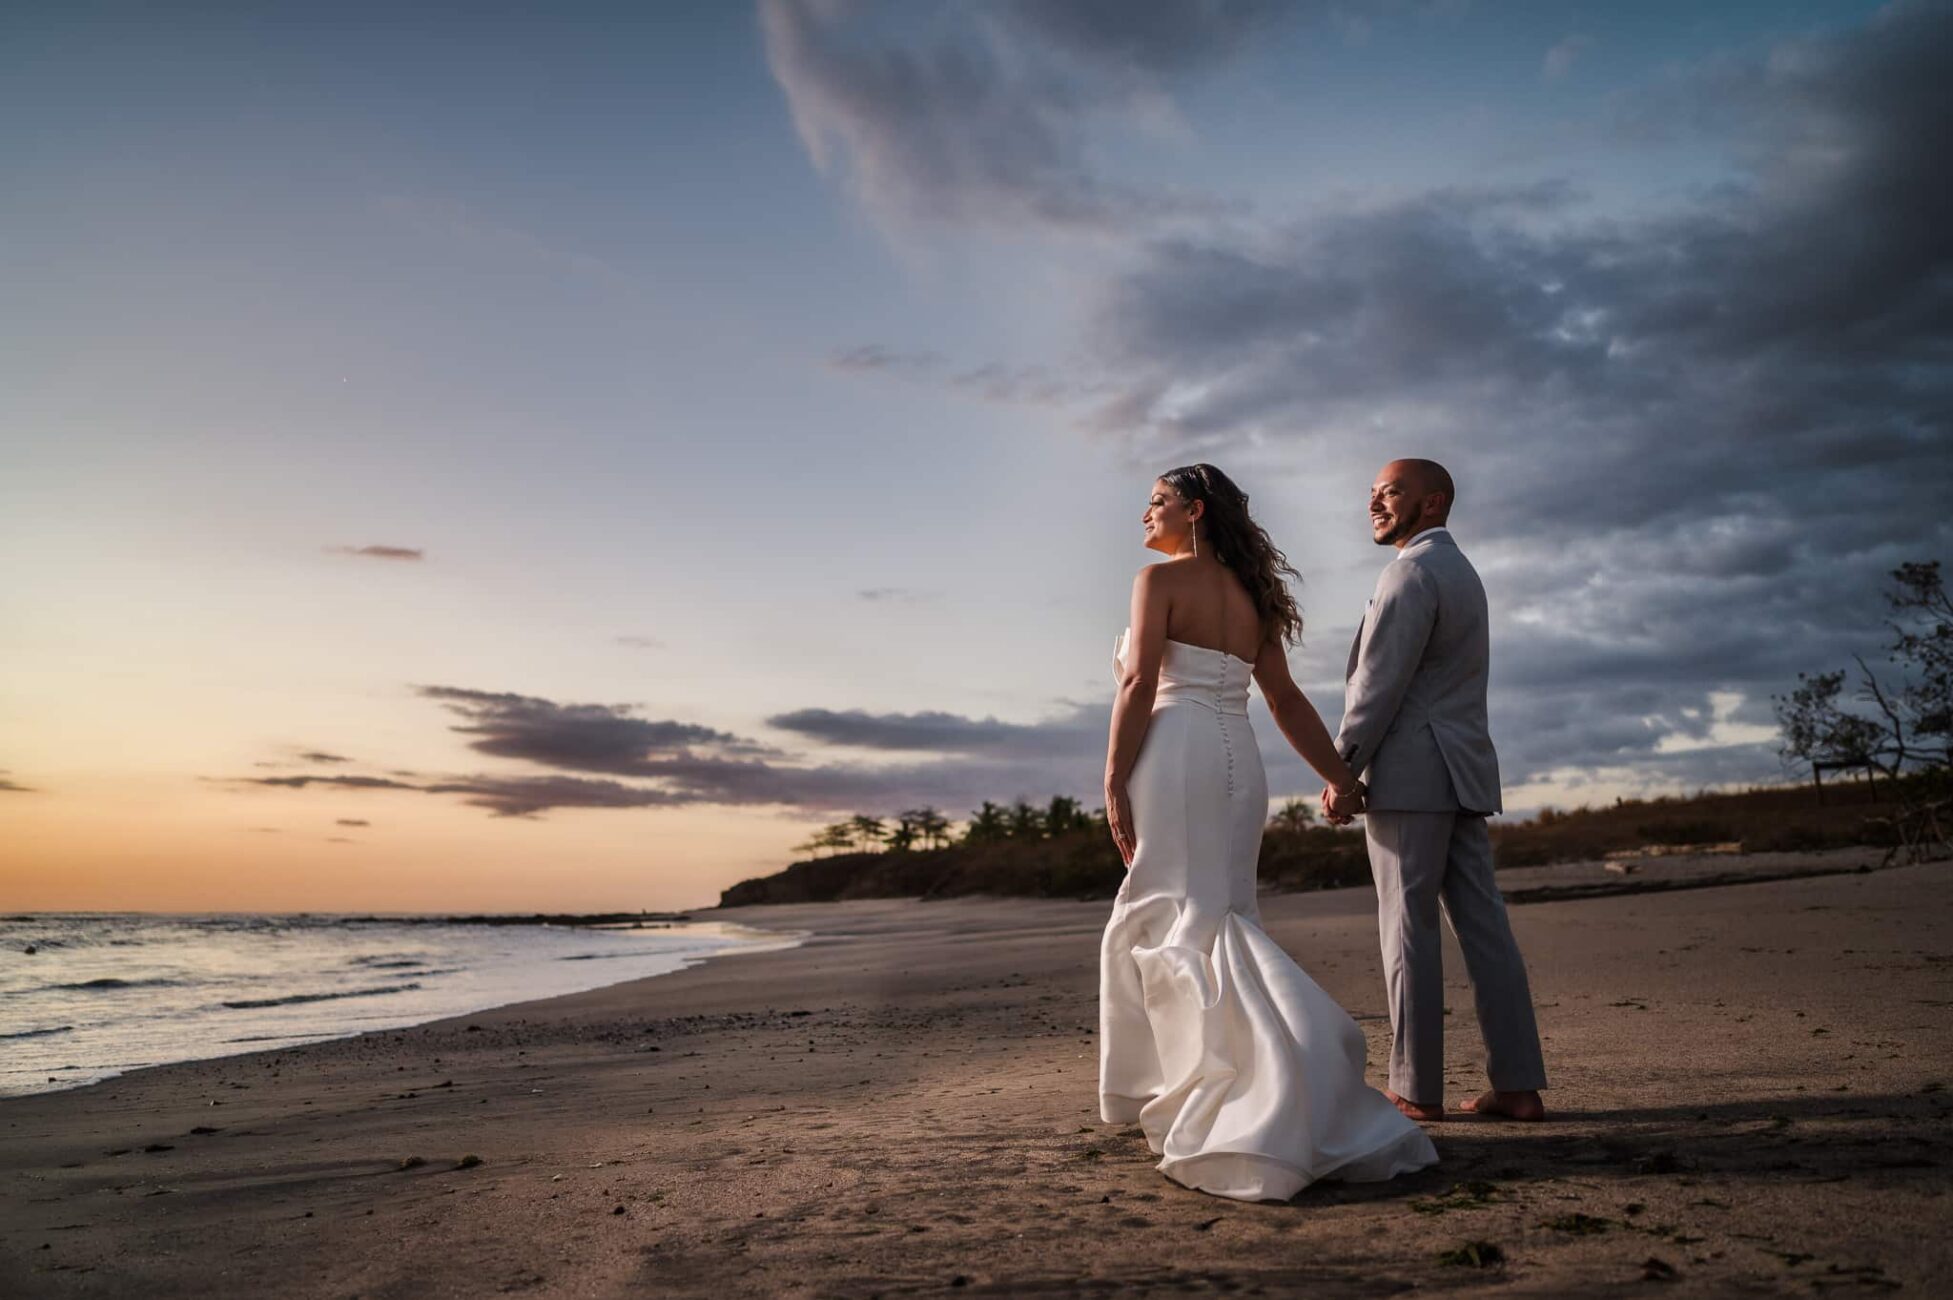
(1118, 815)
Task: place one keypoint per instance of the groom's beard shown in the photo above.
(1405, 525)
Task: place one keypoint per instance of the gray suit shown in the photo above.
(1414, 727)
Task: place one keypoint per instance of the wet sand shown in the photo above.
(1751, 1087)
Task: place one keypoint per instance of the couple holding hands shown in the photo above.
(1245, 1076)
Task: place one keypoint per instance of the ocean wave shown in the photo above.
(36, 1033)
(295, 998)
(281, 1038)
(111, 983)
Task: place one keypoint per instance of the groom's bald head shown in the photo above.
(1427, 478)
(1408, 497)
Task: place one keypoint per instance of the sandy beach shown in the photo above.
(1749, 1096)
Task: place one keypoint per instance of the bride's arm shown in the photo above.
(1298, 718)
(1132, 707)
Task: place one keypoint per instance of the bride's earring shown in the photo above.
(1195, 531)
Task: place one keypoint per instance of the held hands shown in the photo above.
(1341, 809)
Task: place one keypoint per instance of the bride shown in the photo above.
(1246, 1077)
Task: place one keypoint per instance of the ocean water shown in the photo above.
(100, 994)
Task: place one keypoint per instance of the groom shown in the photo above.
(1414, 728)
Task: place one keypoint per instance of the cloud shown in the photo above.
(1560, 58)
(602, 756)
(580, 737)
(641, 642)
(873, 358)
(988, 126)
(1689, 445)
(319, 756)
(895, 595)
(352, 821)
(9, 787)
(1022, 385)
(347, 782)
(1080, 732)
(1150, 40)
(380, 552)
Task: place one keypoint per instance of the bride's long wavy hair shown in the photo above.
(1242, 545)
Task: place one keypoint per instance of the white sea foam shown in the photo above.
(101, 994)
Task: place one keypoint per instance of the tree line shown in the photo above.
(1898, 722)
(992, 823)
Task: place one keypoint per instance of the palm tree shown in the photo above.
(986, 823)
(1294, 815)
(1026, 822)
(870, 831)
(835, 838)
(903, 837)
(931, 825)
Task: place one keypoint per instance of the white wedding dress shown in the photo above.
(1246, 1077)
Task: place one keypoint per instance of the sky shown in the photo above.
(555, 457)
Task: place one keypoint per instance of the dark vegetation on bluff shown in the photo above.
(1079, 860)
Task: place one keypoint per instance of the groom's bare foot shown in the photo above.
(1416, 1110)
(1523, 1106)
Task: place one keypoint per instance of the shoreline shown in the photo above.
(744, 938)
(1749, 1086)
(1522, 886)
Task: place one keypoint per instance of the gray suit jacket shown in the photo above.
(1414, 725)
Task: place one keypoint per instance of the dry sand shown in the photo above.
(1748, 1098)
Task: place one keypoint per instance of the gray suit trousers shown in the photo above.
(1421, 861)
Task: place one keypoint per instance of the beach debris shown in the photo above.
(204, 1130)
(1656, 1269)
(1724, 848)
(1473, 1254)
(467, 1162)
(1473, 1195)
(1205, 1224)
(159, 1146)
(618, 1210)
(413, 1162)
(1578, 1225)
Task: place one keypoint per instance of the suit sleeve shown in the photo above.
(1394, 635)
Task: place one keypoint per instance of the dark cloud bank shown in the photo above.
(603, 756)
(1690, 445)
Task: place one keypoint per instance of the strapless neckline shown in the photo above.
(1125, 638)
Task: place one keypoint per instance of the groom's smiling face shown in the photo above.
(1403, 503)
